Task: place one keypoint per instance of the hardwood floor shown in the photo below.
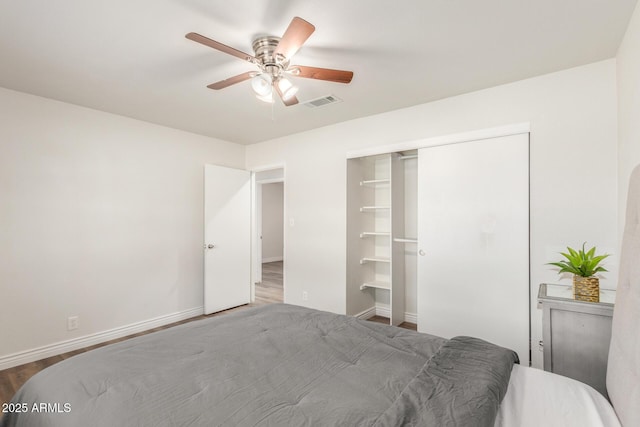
(268, 292)
(385, 320)
(271, 289)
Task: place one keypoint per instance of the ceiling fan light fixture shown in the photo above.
(287, 89)
(268, 98)
(261, 85)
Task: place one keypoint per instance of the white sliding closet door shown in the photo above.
(473, 234)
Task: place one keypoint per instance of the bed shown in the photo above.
(273, 365)
(282, 365)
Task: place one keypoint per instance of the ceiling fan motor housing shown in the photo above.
(264, 48)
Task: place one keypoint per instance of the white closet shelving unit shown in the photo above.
(375, 222)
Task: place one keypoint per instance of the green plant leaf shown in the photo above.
(600, 258)
(580, 262)
(564, 267)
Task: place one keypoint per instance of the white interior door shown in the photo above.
(473, 234)
(227, 238)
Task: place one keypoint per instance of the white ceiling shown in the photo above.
(131, 57)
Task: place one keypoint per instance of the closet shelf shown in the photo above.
(373, 208)
(373, 233)
(375, 182)
(379, 259)
(404, 240)
(376, 285)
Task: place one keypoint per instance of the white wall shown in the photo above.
(573, 174)
(101, 217)
(628, 67)
(272, 221)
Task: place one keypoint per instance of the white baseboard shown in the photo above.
(367, 314)
(43, 352)
(411, 318)
(272, 259)
(383, 311)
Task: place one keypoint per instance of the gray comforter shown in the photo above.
(277, 365)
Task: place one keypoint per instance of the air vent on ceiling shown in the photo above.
(325, 100)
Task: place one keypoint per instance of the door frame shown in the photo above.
(455, 138)
(256, 220)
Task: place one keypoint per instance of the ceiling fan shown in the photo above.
(272, 56)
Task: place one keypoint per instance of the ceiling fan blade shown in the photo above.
(288, 102)
(338, 76)
(221, 47)
(231, 80)
(296, 34)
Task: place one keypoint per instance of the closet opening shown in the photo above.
(382, 237)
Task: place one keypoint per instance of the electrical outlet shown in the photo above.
(305, 296)
(72, 323)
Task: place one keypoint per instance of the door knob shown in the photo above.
(210, 246)
(421, 252)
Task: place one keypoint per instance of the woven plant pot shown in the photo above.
(586, 288)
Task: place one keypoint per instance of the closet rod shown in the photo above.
(410, 156)
(404, 240)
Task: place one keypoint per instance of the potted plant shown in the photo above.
(584, 265)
